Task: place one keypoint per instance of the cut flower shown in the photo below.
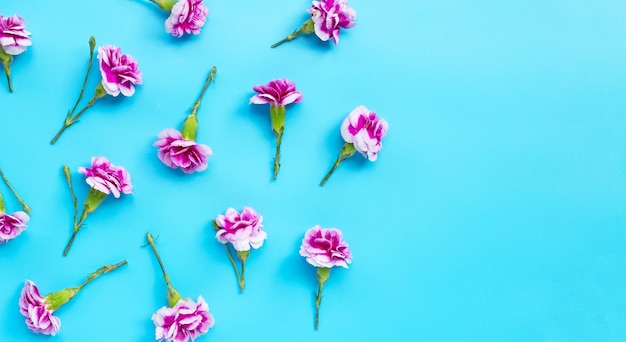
(39, 310)
(328, 17)
(119, 75)
(104, 178)
(14, 39)
(12, 225)
(183, 319)
(179, 149)
(363, 131)
(324, 249)
(186, 16)
(278, 94)
(243, 231)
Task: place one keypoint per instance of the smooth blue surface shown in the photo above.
(496, 210)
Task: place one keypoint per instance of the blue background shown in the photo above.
(495, 211)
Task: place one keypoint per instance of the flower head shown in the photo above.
(324, 247)
(278, 92)
(39, 318)
(365, 130)
(186, 17)
(186, 320)
(106, 177)
(330, 16)
(12, 225)
(119, 72)
(177, 152)
(243, 230)
(14, 39)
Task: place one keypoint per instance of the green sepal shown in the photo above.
(308, 27)
(277, 117)
(347, 150)
(94, 199)
(323, 273)
(243, 255)
(57, 299)
(173, 296)
(190, 127)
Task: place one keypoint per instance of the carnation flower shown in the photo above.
(362, 132)
(186, 16)
(324, 248)
(328, 17)
(186, 320)
(277, 93)
(12, 225)
(119, 74)
(104, 178)
(242, 230)
(14, 39)
(182, 319)
(179, 149)
(39, 310)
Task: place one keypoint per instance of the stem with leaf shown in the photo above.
(25, 206)
(6, 63)
(71, 119)
(306, 28)
(346, 151)
(190, 126)
(173, 296)
(323, 273)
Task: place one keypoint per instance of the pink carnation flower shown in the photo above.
(176, 152)
(106, 177)
(33, 306)
(324, 247)
(187, 16)
(364, 129)
(12, 225)
(14, 39)
(186, 320)
(277, 92)
(330, 16)
(243, 230)
(119, 72)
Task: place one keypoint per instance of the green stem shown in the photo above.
(242, 281)
(158, 257)
(102, 270)
(306, 28)
(232, 262)
(77, 226)
(72, 120)
(279, 138)
(25, 207)
(3, 208)
(7, 71)
(68, 178)
(347, 151)
(318, 302)
(209, 78)
(92, 47)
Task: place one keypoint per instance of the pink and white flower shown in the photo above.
(186, 17)
(186, 320)
(39, 318)
(278, 92)
(177, 152)
(120, 73)
(324, 247)
(106, 177)
(330, 16)
(14, 39)
(365, 130)
(243, 230)
(12, 225)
